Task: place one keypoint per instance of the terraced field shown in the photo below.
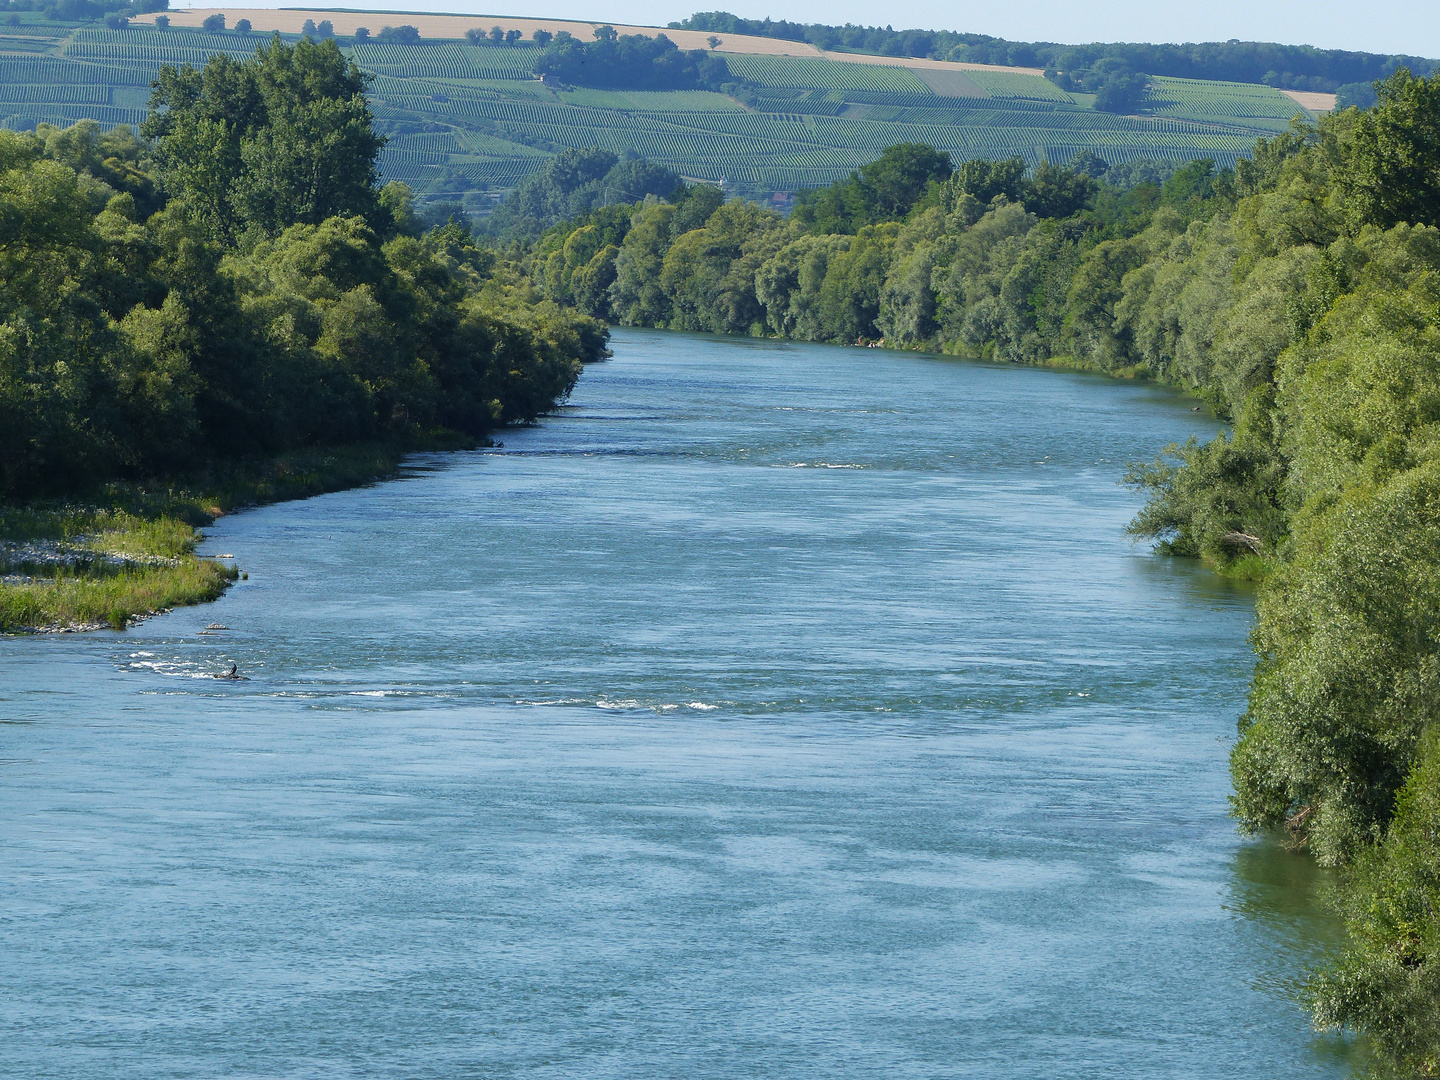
(463, 117)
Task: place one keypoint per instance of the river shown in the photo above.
(771, 711)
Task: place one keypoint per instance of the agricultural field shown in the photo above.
(463, 117)
(1230, 103)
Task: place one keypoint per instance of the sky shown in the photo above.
(1384, 26)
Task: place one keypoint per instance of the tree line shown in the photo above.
(234, 282)
(1290, 67)
(1298, 294)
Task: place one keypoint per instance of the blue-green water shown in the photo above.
(773, 711)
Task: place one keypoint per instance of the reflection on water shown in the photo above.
(771, 711)
(1286, 899)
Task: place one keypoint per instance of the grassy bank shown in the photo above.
(127, 550)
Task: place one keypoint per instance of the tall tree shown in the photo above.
(1392, 161)
(283, 138)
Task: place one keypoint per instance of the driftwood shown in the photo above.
(1237, 539)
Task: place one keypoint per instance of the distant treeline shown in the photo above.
(1290, 67)
(1300, 296)
(83, 10)
(235, 284)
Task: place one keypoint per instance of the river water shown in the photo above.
(771, 711)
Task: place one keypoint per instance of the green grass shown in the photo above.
(82, 600)
(447, 59)
(26, 44)
(153, 523)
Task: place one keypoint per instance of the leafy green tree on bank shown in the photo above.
(883, 190)
(257, 295)
(1392, 160)
(283, 137)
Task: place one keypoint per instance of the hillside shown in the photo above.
(465, 117)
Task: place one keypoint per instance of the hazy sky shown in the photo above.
(1383, 26)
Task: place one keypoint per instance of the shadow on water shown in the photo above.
(1285, 898)
(1192, 580)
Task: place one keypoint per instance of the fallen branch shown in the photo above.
(1234, 538)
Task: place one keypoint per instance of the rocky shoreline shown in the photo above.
(24, 562)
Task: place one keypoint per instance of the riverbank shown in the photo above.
(126, 551)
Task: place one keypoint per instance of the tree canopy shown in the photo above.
(283, 137)
(630, 62)
(238, 286)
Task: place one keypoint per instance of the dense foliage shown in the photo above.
(630, 62)
(1300, 296)
(575, 182)
(239, 286)
(1293, 67)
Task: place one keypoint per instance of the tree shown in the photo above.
(512, 37)
(632, 62)
(1122, 93)
(542, 37)
(1391, 163)
(900, 175)
(986, 180)
(308, 28)
(162, 22)
(214, 24)
(326, 29)
(362, 33)
(401, 35)
(497, 35)
(284, 137)
(713, 41)
(1359, 94)
(883, 190)
(1056, 192)
(1088, 163)
(242, 26)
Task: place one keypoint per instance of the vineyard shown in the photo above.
(447, 60)
(1233, 103)
(1002, 84)
(803, 72)
(462, 117)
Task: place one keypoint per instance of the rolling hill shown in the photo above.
(465, 117)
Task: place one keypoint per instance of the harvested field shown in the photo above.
(1312, 101)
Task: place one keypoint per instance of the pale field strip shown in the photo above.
(1308, 99)
(290, 20)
